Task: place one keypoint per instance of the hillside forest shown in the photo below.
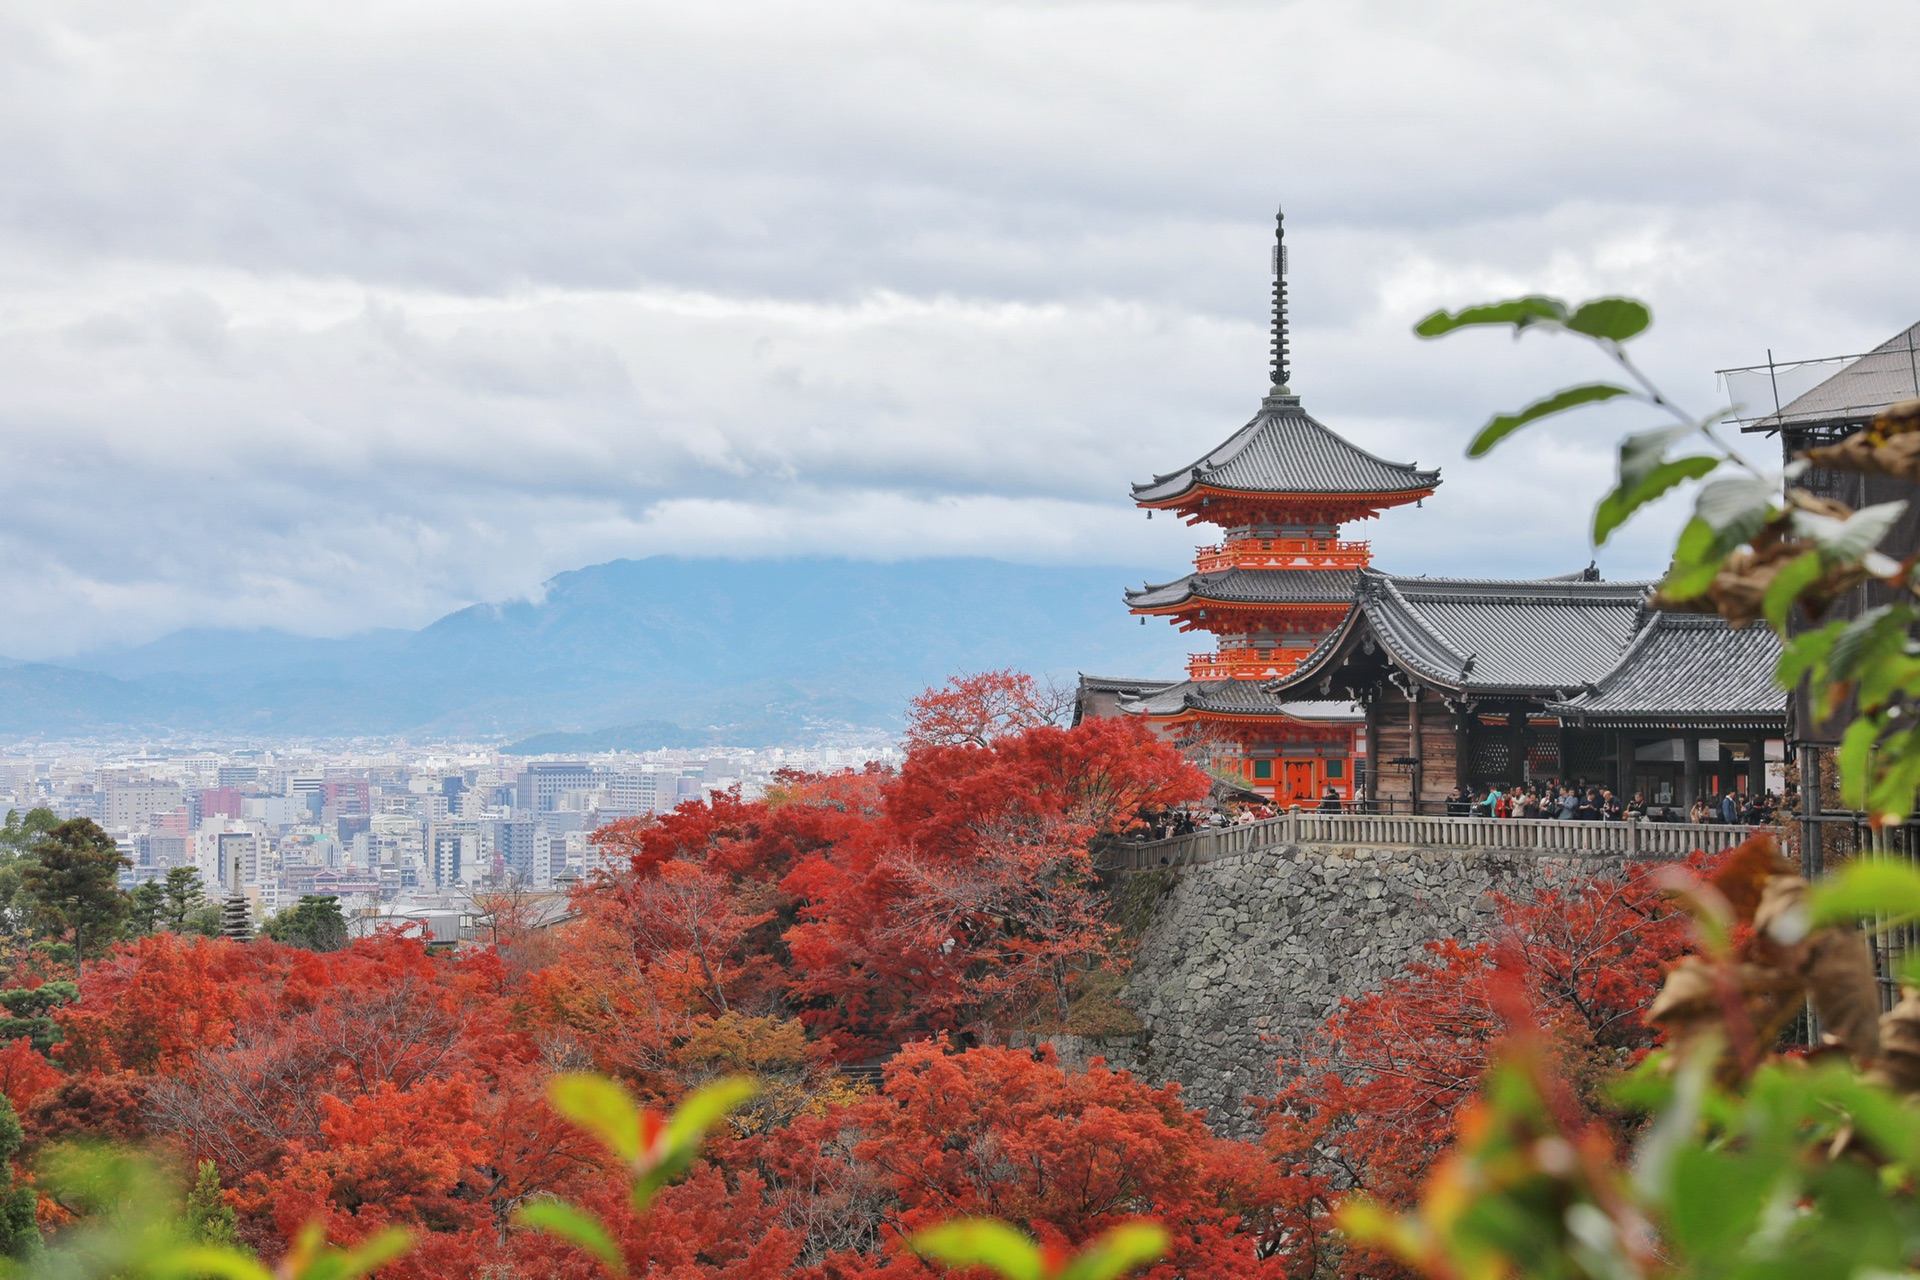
(885, 952)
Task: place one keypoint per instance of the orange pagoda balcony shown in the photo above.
(1243, 664)
(1283, 553)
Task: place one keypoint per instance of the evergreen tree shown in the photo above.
(209, 1218)
(72, 885)
(29, 1012)
(19, 1230)
(146, 907)
(18, 834)
(184, 894)
(314, 923)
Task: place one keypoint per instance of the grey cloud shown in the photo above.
(329, 316)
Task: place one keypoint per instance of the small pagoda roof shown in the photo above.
(1540, 637)
(1285, 450)
(1241, 698)
(1685, 669)
(1250, 587)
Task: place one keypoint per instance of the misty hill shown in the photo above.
(662, 651)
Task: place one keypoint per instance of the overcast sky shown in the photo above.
(335, 315)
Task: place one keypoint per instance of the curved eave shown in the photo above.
(1189, 497)
(1679, 721)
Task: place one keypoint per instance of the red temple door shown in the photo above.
(1298, 783)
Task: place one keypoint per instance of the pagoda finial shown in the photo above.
(1280, 370)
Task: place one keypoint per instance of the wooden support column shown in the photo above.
(1414, 774)
(1373, 755)
(1517, 746)
(1811, 859)
(1756, 765)
(1689, 770)
(1623, 766)
(1462, 766)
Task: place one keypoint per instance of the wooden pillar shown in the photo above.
(1373, 755)
(1623, 766)
(1413, 744)
(1462, 767)
(1811, 859)
(1517, 746)
(1756, 765)
(1689, 770)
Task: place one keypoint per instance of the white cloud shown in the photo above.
(331, 316)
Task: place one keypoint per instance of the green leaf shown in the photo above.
(1117, 1251)
(363, 1259)
(1736, 508)
(1695, 562)
(1673, 1128)
(1875, 633)
(1616, 507)
(1518, 312)
(1796, 576)
(1856, 750)
(1848, 541)
(980, 1242)
(1807, 653)
(1717, 1199)
(1866, 888)
(577, 1227)
(599, 1106)
(1507, 423)
(186, 1261)
(1616, 319)
(706, 1106)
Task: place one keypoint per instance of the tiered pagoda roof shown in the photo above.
(1284, 450)
(1249, 587)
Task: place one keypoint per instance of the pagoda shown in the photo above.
(1279, 580)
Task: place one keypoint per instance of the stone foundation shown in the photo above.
(1248, 954)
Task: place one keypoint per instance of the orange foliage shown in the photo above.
(912, 918)
(24, 1074)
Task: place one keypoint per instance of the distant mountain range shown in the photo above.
(665, 651)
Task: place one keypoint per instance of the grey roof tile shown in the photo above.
(1887, 374)
(1237, 697)
(1688, 667)
(1251, 586)
(1284, 450)
(1537, 636)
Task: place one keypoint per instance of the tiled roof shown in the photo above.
(1887, 374)
(1688, 667)
(1122, 684)
(1538, 636)
(1251, 586)
(1237, 697)
(1284, 450)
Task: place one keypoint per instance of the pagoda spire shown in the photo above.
(1280, 362)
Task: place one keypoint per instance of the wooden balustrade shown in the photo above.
(1632, 838)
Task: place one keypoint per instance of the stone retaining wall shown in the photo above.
(1247, 954)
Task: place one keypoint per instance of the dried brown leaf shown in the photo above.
(1844, 992)
(1898, 1065)
(1890, 447)
(1687, 998)
(1745, 873)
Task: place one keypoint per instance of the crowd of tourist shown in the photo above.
(1572, 802)
(1564, 801)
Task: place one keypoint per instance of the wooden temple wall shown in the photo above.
(1393, 740)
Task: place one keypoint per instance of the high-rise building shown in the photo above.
(541, 784)
(513, 844)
